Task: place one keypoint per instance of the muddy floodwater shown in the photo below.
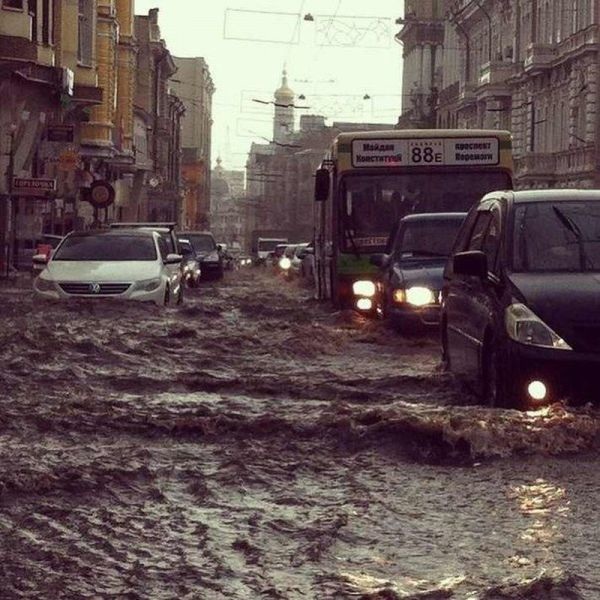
(255, 444)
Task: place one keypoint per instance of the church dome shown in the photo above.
(284, 92)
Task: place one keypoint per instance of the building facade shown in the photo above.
(530, 66)
(280, 174)
(193, 84)
(227, 206)
(422, 40)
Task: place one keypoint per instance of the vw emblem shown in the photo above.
(95, 288)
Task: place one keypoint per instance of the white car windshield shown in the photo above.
(107, 248)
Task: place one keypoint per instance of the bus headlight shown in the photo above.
(364, 288)
(285, 263)
(364, 304)
(420, 296)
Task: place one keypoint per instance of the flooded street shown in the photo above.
(255, 444)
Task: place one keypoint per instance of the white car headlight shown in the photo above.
(420, 296)
(524, 326)
(44, 285)
(285, 263)
(147, 285)
(364, 288)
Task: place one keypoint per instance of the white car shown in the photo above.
(116, 263)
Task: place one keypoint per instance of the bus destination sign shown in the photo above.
(413, 152)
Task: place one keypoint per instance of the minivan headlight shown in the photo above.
(524, 326)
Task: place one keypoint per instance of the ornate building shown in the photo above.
(194, 85)
(422, 38)
(530, 66)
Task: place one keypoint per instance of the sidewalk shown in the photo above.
(16, 280)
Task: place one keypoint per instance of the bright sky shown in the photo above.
(345, 53)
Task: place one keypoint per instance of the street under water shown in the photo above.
(256, 444)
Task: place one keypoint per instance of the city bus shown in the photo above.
(370, 180)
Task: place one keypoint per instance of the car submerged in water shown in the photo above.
(207, 252)
(412, 270)
(521, 298)
(114, 263)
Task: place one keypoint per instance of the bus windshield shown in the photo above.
(372, 204)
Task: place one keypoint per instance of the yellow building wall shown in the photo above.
(99, 130)
(126, 75)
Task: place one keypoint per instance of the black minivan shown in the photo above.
(520, 316)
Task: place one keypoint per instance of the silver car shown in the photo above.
(125, 264)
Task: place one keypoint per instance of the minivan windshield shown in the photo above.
(106, 248)
(431, 238)
(557, 236)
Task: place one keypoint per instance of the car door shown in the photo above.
(462, 345)
(481, 297)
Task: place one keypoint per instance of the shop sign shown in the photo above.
(60, 133)
(33, 186)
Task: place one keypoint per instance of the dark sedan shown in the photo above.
(411, 277)
(207, 252)
(521, 298)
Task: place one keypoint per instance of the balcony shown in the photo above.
(538, 164)
(585, 38)
(466, 93)
(494, 73)
(576, 160)
(539, 57)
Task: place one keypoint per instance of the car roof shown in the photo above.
(544, 195)
(443, 216)
(146, 225)
(137, 232)
(196, 233)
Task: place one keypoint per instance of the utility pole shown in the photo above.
(10, 212)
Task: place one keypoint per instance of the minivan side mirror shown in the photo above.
(40, 259)
(472, 263)
(379, 260)
(321, 185)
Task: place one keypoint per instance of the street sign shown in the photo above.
(60, 133)
(33, 186)
(68, 160)
(100, 194)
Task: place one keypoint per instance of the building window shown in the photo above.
(85, 32)
(47, 23)
(16, 4)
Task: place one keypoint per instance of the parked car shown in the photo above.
(521, 298)
(207, 251)
(192, 271)
(113, 263)
(412, 270)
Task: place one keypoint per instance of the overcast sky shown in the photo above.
(345, 53)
